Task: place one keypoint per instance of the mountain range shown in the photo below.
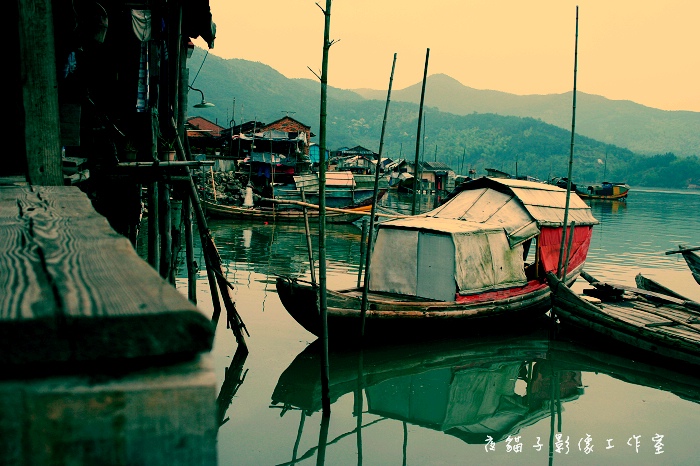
(462, 126)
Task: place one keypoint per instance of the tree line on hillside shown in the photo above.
(518, 145)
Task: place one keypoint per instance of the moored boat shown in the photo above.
(646, 283)
(272, 214)
(656, 323)
(479, 259)
(343, 189)
(604, 191)
(691, 258)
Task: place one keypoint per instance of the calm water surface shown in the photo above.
(436, 402)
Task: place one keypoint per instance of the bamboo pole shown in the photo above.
(331, 209)
(571, 157)
(323, 306)
(165, 164)
(568, 249)
(213, 183)
(309, 247)
(681, 250)
(370, 241)
(418, 140)
(363, 247)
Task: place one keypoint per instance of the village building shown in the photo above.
(435, 177)
(204, 137)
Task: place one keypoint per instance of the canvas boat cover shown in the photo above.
(473, 242)
(520, 207)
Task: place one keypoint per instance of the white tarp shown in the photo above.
(438, 258)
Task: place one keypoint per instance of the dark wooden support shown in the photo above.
(153, 226)
(189, 251)
(39, 109)
(211, 254)
(165, 230)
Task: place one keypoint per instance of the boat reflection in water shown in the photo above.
(477, 390)
(471, 389)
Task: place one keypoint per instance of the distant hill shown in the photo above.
(478, 135)
(623, 123)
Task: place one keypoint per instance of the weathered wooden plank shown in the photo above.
(159, 416)
(71, 288)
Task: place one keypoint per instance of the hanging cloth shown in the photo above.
(141, 25)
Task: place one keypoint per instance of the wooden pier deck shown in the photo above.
(101, 360)
(73, 290)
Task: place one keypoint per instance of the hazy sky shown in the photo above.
(647, 51)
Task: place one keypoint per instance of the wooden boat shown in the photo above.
(656, 323)
(466, 388)
(691, 258)
(648, 284)
(605, 191)
(272, 214)
(344, 189)
(460, 266)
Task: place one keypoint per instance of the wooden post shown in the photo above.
(165, 226)
(309, 247)
(189, 250)
(363, 248)
(39, 115)
(571, 158)
(153, 229)
(323, 307)
(416, 179)
(213, 182)
(568, 251)
(365, 289)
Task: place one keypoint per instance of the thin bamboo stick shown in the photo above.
(368, 259)
(323, 306)
(331, 209)
(571, 156)
(363, 248)
(418, 140)
(309, 247)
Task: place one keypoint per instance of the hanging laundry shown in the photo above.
(141, 25)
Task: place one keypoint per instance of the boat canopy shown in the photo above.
(436, 258)
(520, 207)
(474, 242)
